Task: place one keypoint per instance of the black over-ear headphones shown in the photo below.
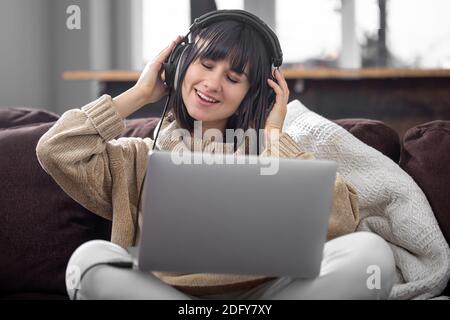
(172, 65)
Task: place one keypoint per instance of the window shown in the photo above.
(419, 32)
(310, 31)
(162, 21)
(230, 4)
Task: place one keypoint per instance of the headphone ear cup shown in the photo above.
(172, 66)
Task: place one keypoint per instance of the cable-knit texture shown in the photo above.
(391, 204)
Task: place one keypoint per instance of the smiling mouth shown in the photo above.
(204, 97)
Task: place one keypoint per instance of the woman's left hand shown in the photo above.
(277, 115)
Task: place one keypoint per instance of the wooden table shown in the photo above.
(400, 97)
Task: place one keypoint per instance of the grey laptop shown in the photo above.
(230, 218)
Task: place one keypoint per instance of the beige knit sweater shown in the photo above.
(105, 176)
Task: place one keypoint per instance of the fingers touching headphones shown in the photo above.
(151, 81)
(276, 117)
(279, 86)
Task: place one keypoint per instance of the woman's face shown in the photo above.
(212, 92)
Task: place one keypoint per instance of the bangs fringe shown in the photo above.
(234, 45)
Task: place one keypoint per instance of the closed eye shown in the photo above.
(232, 80)
(207, 66)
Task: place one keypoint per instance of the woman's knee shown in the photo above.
(375, 250)
(87, 256)
(376, 256)
(89, 275)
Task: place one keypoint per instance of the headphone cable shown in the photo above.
(162, 119)
(136, 218)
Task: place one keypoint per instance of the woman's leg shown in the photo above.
(108, 282)
(356, 266)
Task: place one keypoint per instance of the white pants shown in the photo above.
(355, 266)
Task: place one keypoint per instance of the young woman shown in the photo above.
(224, 84)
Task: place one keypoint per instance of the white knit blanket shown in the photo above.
(391, 203)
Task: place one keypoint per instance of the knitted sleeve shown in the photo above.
(344, 216)
(81, 156)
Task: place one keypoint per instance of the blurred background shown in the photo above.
(340, 56)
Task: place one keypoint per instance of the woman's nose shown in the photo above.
(213, 82)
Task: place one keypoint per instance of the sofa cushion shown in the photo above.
(142, 127)
(374, 133)
(426, 157)
(40, 226)
(12, 117)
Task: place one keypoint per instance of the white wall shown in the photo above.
(25, 56)
(71, 51)
(36, 48)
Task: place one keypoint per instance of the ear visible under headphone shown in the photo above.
(172, 66)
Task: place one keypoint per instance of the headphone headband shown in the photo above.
(243, 16)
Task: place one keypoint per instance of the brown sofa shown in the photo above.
(40, 226)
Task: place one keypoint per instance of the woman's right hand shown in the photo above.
(151, 81)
